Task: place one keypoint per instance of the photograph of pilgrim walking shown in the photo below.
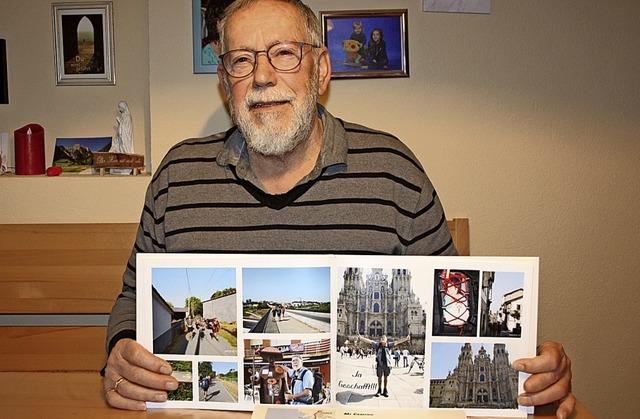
(194, 311)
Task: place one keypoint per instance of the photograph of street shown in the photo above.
(218, 382)
(502, 303)
(194, 311)
(286, 300)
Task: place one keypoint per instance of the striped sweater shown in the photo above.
(367, 195)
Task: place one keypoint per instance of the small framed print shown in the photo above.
(366, 43)
(83, 43)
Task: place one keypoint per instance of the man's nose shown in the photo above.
(264, 73)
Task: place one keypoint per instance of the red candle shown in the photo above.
(29, 150)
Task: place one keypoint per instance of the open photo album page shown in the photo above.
(352, 332)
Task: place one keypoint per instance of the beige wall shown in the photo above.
(72, 111)
(527, 120)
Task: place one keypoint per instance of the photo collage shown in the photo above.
(328, 331)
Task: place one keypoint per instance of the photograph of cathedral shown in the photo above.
(372, 303)
(380, 302)
(480, 377)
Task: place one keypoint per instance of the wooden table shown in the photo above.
(79, 394)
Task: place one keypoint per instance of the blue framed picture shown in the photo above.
(366, 43)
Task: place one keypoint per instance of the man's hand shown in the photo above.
(134, 375)
(550, 379)
(289, 397)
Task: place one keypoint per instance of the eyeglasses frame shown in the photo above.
(266, 53)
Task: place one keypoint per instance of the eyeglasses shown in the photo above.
(283, 56)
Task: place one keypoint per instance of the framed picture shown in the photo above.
(75, 155)
(83, 43)
(366, 43)
(205, 16)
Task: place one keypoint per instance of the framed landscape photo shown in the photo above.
(366, 43)
(83, 43)
(75, 155)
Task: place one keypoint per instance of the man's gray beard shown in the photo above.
(270, 140)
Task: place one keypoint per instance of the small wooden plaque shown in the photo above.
(104, 161)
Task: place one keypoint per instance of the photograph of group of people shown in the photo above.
(195, 328)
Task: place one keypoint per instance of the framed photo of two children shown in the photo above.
(366, 43)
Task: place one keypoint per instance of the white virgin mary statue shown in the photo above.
(123, 143)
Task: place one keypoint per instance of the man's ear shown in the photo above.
(324, 71)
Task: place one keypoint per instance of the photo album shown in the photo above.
(322, 333)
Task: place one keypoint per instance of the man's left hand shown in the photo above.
(550, 379)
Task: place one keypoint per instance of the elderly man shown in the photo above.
(301, 382)
(289, 178)
(382, 350)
